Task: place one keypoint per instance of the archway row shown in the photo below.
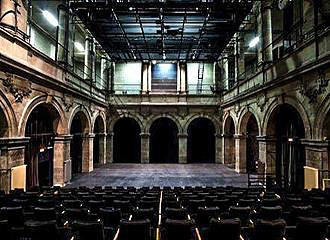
(164, 141)
(43, 124)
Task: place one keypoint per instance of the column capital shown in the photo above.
(315, 142)
(239, 136)
(266, 139)
(182, 135)
(88, 135)
(63, 138)
(144, 135)
(101, 134)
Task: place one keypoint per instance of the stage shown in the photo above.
(139, 175)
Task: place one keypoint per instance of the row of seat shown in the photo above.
(163, 213)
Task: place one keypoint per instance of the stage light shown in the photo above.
(164, 56)
(50, 18)
(79, 46)
(254, 42)
(131, 8)
(154, 62)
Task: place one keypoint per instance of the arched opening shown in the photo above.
(229, 140)
(126, 141)
(325, 154)
(4, 128)
(39, 153)
(201, 141)
(79, 127)
(164, 145)
(98, 143)
(252, 145)
(287, 128)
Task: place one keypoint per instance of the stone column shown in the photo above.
(144, 84)
(240, 153)
(89, 58)
(267, 31)
(104, 72)
(225, 70)
(218, 149)
(62, 160)
(112, 78)
(267, 155)
(87, 153)
(240, 57)
(183, 141)
(62, 34)
(12, 154)
(145, 143)
(183, 78)
(149, 77)
(102, 148)
(264, 19)
(109, 148)
(178, 78)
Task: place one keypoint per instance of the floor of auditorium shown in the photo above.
(138, 175)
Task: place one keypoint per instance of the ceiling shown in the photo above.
(196, 30)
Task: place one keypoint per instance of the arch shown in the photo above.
(164, 146)
(60, 126)
(164, 115)
(249, 129)
(289, 152)
(322, 117)
(86, 117)
(201, 141)
(296, 105)
(80, 152)
(126, 141)
(8, 117)
(99, 141)
(137, 118)
(214, 121)
(41, 127)
(244, 118)
(229, 151)
(226, 116)
(100, 119)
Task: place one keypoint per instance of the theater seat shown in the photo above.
(178, 229)
(227, 229)
(312, 228)
(135, 230)
(270, 230)
(270, 213)
(41, 230)
(84, 230)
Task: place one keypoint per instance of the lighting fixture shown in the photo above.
(164, 56)
(254, 42)
(79, 46)
(50, 18)
(154, 62)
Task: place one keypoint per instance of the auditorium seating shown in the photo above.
(190, 213)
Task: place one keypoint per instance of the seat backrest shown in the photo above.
(312, 228)
(270, 230)
(179, 229)
(40, 230)
(44, 214)
(228, 229)
(135, 230)
(110, 216)
(88, 230)
(270, 213)
(176, 213)
(14, 215)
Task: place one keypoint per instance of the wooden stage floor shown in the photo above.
(146, 175)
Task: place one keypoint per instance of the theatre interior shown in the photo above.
(164, 119)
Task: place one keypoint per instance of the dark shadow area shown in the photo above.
(164, 141)
(252, 145)
(201, 141)
(126, 141)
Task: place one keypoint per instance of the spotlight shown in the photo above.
(154, 62)
(254, 42)
(50, 18)
(131, 8)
